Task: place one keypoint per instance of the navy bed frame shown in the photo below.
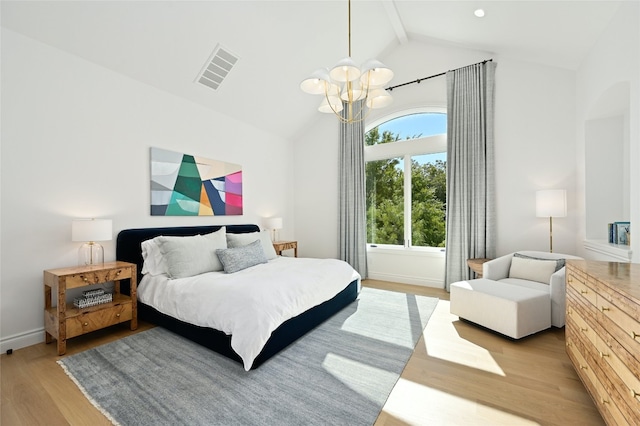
(128, 249)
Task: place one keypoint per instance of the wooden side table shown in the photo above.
(65, 321)
(286, 245)
(476, 265)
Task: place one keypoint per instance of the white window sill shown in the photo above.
(406, 251)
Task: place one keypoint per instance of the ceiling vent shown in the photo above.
(217, 68)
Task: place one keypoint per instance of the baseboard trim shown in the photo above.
(405, 280)
(22, 340)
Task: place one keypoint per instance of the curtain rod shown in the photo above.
(435, 75)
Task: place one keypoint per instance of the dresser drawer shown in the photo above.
(624, 328)
(95, 320)
(97, 277)
(579, 284)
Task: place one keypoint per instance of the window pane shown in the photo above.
(428, 200)
(415, 126)
(385, 204)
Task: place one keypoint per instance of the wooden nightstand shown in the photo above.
(65, 321)
(286, 245)
(476, 265)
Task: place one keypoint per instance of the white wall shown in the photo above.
(534, 132)
(612, 65)
(75, 143)
(534, 149)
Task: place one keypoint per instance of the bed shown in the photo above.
(128, 248)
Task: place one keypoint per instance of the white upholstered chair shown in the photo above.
(526, 272)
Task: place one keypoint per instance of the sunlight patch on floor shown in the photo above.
(416, 404)
(367, 379)
(459, 350)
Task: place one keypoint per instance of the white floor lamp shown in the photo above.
(551, 203)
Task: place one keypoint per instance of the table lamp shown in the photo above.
(273, 223)
(89, 231)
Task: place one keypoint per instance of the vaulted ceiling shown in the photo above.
(166, 43)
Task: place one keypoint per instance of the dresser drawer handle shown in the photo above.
(604, 308)
(85, 279)
(584, 367)
(635, 335)
(118, 315)
(584, 329)
(583, 292)
(84, 324)
(604, 401)
(634, 394)
(570, 280)
(602, 355)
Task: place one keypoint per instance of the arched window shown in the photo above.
(406, 180)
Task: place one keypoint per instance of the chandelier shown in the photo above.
(346, 84)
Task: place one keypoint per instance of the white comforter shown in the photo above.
(250, 304)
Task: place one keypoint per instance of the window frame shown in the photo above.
(405, 149)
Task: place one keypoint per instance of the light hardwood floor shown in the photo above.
(459, 374)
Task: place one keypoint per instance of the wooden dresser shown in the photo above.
(603, 335)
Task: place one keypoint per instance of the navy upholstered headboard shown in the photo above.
(128, 247)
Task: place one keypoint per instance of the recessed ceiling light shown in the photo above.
(479, 13)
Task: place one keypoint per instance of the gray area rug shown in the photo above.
(341, 373)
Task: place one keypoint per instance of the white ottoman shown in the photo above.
(509, 309)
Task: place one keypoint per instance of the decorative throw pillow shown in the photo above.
(532, 269)
(239, 258)
(559, 262)
(239, 240)
(189, 256)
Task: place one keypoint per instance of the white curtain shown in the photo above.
(470, 168)
(352, 216)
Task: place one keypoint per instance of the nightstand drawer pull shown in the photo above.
(604, 401)
(85, 324)
(634, 394)
(635, 335)
(583, 292)
(85, 279)
(584, 329)
(604, 308)
(602, 355)
(583, 367)
(118, 315)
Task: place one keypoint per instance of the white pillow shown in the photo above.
(239, 240)
(532, 269)
(190, 256)
(154, 263)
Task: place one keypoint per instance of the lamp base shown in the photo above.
(90, 254)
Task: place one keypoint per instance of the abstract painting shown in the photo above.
(186, 185)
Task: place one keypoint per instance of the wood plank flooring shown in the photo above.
(459, 374)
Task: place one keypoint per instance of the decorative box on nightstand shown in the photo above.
(286, 245)
(65, 321)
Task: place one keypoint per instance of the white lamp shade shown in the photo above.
(551, 203)
(379, 98)
(317, 82)
(345, 70)
(330, 104)
(375, 73)
(356, 91)
(91, 230)
(273, 223)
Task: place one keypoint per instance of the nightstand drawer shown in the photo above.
(98, 319)
(97, 277)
